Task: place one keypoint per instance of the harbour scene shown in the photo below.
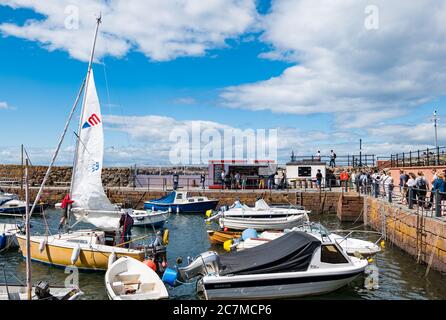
(143, 206)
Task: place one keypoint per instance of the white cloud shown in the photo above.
(162, 30)
(345, 69)
(3, 106)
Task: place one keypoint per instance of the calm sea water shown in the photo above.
(399, 276)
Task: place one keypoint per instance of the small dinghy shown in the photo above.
(261, 210)
(8, 238)
(130, 279)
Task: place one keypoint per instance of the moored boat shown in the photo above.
(181, 202)
(86, 250)
(8, 238)
(155, 219)
(295, 265)
(220, 237)
(130, 279)
(281, 223)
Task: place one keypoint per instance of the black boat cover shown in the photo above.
(291, 252)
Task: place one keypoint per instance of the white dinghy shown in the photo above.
(130, 279)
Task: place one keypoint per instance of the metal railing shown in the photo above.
(419, 158)
(358, 160)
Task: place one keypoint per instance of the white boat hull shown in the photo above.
(150, 218)
(263, 223)
(305, 286)
(130, 279)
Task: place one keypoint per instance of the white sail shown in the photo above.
(90, 201)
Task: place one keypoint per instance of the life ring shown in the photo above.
(166, 237)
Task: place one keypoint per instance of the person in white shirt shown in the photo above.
(388, 185)
(411, 184)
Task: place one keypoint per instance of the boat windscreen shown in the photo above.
(170, 198)
(291, 252)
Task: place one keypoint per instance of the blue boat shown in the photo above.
(180, 202)
(8, 239)
(11, 205)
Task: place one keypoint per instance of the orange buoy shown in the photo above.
(150, 264)
(225, 229)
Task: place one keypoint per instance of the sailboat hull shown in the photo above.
(90, 258)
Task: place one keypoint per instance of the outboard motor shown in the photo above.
(43, 291)
(205, 263)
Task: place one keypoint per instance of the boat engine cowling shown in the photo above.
(205, 263)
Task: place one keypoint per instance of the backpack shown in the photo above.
(334, 155)
(421, 184)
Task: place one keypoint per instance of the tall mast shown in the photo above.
(81, 120)
(29, 287)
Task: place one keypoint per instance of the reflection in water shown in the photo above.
(399, 275)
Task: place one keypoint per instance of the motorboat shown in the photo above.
(10, 205)
(261, 210)
(8, 238)
(148, 218)
(181, 202)
(279, 223)
(352, 246)
(130, 279)
(294, 265)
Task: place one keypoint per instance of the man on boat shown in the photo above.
(202, 180)
(126, 223)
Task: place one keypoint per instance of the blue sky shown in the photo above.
(263, 69)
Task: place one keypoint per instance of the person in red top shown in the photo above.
(344, 179)
(66, 202)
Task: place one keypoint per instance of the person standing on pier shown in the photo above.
(237, 180)
(223, 179)
(176, 180)
(421, 185)
(332, 159)
(319, 179)
(203, 180)
(318, 155)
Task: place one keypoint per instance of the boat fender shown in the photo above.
(249, 233)
(170, 277)
(75, 254)
(150, 264)
(178, 209)
(111, 259)
(166, 237)
(383, 244)
(42, 245)
(227, 245)
(153, 209)
(170, 210)
(208, 213)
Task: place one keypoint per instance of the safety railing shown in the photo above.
(419, 158)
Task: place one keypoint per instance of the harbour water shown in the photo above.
(399, 275)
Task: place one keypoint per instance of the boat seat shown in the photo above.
(128, 278)
(146, 287)
(118, 287)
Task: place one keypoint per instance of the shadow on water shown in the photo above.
(399, 275)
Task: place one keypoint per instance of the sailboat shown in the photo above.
(87, 201)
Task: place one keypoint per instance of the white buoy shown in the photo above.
(42, 245)
(75, 254)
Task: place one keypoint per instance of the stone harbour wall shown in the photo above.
(424, 238)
